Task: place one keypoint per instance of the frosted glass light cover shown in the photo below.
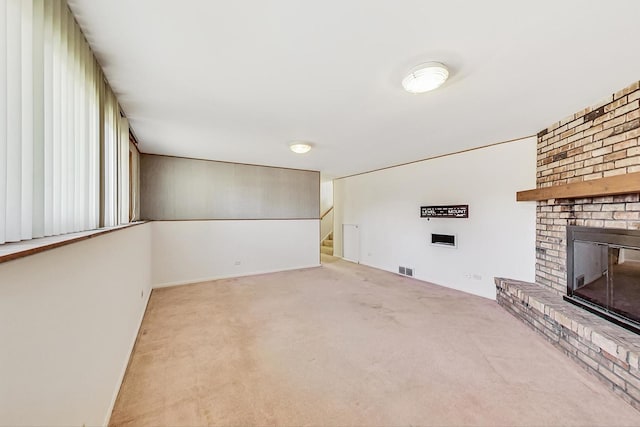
(300, 148)
(425, 77)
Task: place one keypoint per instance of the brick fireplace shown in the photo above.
(598, 142)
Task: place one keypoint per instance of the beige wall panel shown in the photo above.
(175, 188)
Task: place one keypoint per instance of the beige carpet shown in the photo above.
(345, 345)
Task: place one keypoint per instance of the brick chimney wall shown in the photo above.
(599, 141)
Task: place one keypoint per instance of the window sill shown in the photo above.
(15, 250)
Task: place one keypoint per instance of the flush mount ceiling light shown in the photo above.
(425, 77)
(300, 147)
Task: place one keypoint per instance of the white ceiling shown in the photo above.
(237, 80)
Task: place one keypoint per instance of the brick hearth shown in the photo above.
(609, 352)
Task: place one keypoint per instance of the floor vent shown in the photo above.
(405, 271)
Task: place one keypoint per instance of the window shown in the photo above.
(64, 145)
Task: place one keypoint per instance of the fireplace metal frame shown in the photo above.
(612, 237)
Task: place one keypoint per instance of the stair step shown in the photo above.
(327, 242)
(326, 250)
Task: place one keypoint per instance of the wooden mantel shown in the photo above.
(609, 186)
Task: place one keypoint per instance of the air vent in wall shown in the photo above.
(405, 271)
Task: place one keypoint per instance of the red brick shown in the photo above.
(602, 167)
(614, 172)
(627, 108)
(602, 151)
(592, 146)
(605, 117)
(594, 161)
(614, 139)
(592, 130)
(632, 115)
(626, 215)
(627, 143)
(616, 121)
(629, 161)
(615, 104)
(615, 156)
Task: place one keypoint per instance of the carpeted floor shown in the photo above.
(342, 345)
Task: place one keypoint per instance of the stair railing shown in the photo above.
(326, 223)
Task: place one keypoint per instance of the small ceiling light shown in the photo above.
(300, 147)
(425, 77)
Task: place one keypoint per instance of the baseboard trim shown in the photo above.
(229, 276)
(452, 287)
(127, 361)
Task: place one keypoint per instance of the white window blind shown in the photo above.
(60, 127)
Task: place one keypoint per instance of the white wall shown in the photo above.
(629, 255)
(498, 238)
(326, 201)
(326, 193)
(68, 321)
(194, 251)
(326, 225)
(590, 260)
(69, 316)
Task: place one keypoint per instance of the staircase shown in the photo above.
(327, 245)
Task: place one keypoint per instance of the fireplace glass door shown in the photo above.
(608, 276)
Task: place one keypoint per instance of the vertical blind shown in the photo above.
(64, 147)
